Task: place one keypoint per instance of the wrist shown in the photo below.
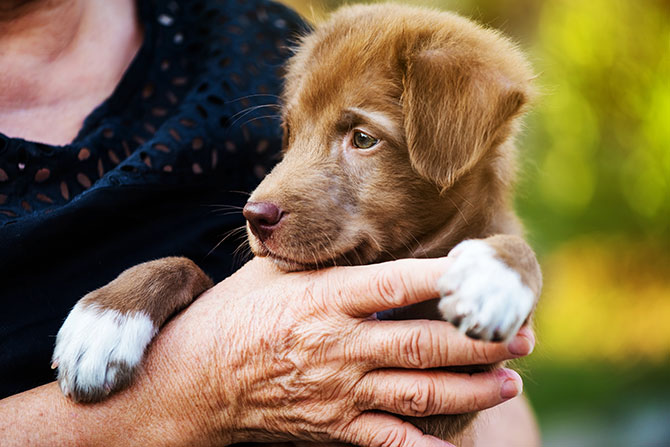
(239, 368)
(187, 391)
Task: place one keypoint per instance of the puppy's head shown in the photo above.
(392, 116)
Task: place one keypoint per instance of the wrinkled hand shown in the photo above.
(269, 356)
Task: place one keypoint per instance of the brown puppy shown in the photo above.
(398, 142)
(399, 126)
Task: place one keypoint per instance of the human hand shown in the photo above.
(269, 356)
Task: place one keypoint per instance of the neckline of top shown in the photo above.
(121, 94)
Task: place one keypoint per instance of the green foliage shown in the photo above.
(598, 147)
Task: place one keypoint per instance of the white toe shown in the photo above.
(95, 345)
(482, 295)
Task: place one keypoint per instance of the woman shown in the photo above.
(122, 125)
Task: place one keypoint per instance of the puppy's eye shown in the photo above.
(361, 140)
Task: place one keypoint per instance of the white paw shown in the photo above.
(481, 295)
(97, 350)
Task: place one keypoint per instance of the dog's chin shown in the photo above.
(361, 253)
(282, 263)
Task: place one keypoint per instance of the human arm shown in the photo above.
(492, 426)
(271, 356)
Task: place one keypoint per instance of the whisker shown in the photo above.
(226, 236)
(277, 117)
(252, 108)
(239, 248)
(242, 253)
(254, 95)
(220, 208)
(224, 206)
(226, 213)
(242, 113)
(246, 193)
(245, 242)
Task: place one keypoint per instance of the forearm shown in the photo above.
(492, 427)
(153, 411)
(43, 416)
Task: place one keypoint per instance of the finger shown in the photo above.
(420, 344)
(383, 430)
(524, 342)
(412, 393)
(364, 290)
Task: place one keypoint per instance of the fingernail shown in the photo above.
(512, 386)
(509, 389)
(523, 343)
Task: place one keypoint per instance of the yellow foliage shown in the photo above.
(605, 301)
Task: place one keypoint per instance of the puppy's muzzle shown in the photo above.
(263, 218)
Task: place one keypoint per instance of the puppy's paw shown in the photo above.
(98, 350)
(481, 295)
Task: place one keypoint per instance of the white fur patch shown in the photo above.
(481, 295)
(95, 347)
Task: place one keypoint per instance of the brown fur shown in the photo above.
(160, 288)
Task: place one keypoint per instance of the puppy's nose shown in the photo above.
(263, 218)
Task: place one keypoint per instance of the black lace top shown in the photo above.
(156, 170)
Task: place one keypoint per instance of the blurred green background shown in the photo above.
(594, 193)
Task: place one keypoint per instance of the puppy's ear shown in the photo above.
(455, 109)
